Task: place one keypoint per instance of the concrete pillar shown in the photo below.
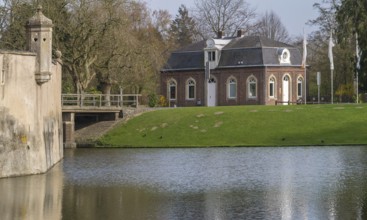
(68, 119)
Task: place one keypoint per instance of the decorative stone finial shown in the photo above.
(39, 19)
(58, 54)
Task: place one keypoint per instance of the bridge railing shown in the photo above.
(100, 100)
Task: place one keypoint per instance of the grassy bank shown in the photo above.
(244, 126)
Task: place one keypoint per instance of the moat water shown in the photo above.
(212, 184)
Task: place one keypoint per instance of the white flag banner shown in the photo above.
(358, 54)
(304, 51)
(330, 53)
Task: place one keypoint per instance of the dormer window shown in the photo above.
(211, 56)
(212, 51)
(284, 56)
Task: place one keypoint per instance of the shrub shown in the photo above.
(153, 99)
(162, 101)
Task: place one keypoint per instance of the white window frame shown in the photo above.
(190, 83)
(212, 56)
(299, 91)
(272, 87)
(284, 56)
(231, 82)
(2, 77)
(251, 81)
(170, 84)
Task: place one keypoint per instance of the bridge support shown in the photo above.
(68, 119)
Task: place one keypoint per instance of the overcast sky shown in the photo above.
(293, 13)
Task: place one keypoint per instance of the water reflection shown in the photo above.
(32, 197)
(159, 184)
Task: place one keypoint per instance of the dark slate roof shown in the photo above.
(198, 46)
(254, 42)
(245, 57)
(189, 57)
(270, 56)
(240, 52)
(185, 60)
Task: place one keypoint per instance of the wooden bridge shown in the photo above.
(79, 110)
(87, 101)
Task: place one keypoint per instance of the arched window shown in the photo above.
(252, 87)
(172, 89)
(299, 87)
(2, 77)
(272, 87)
(232, 88)
(190, 89)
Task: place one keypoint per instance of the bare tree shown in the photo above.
(326, 21)
(270, 26)
(227, 16)
(161, 20)
(129, 60)
(105, 43)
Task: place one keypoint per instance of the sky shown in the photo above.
(293, 13)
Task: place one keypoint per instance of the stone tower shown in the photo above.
(39, 41)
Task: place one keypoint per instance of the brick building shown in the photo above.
(234, 71)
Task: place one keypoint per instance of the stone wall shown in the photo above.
(30, 116)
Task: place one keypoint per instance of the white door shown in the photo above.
(212, 92)
(285, 90)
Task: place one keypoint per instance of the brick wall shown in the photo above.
(262, 74)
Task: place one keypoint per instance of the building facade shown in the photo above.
(234, 71)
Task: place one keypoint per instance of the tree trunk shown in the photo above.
(106, 90)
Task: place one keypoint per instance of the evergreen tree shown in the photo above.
(182, 30)
(352, 22)
(343, 53)
(14, 16)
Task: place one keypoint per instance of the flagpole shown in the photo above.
(304, 62)
(357, 89)
(330, 55)
(305, 85)
(332, 85)
(357, 65)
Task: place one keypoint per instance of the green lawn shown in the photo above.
(297, 125)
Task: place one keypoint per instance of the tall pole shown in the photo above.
(305, 85)
(357, 65)
(357, 89)
(206, 82)
(332, 86)
(330, 55)
(318, 86)
(304, 63)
